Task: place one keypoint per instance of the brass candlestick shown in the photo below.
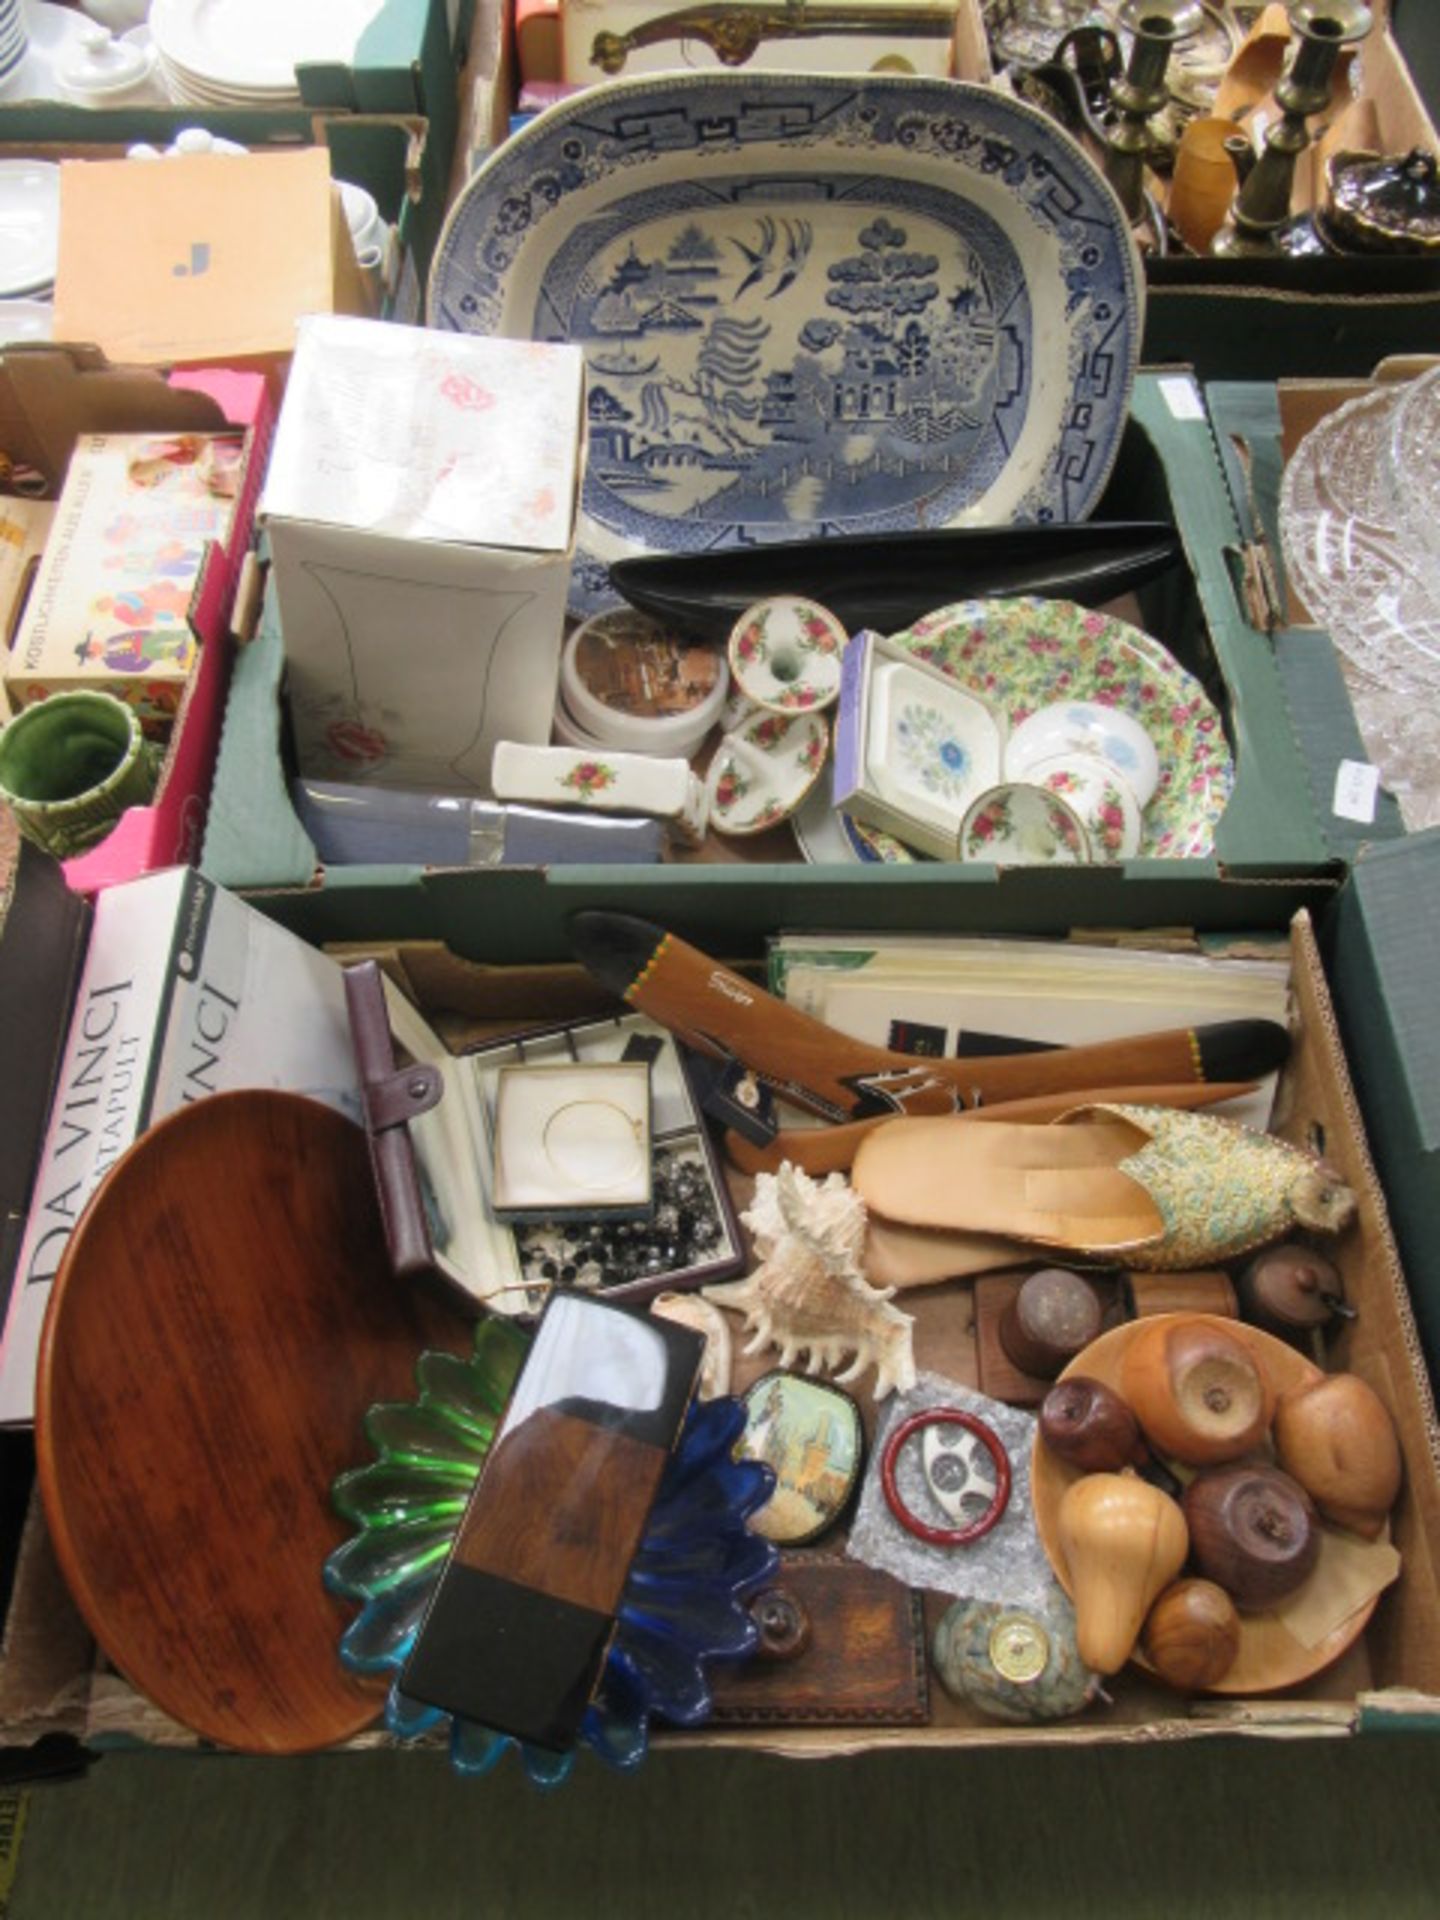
(1261, 208)
(1157, 27)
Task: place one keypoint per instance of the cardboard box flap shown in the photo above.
(1397, 887)
(50, 395)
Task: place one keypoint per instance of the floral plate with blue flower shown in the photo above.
(684, 1603)
(1022, 655)
(814, 306)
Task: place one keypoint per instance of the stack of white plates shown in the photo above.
(29, 228)
(13, 36)
(243, 53)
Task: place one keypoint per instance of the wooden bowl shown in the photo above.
(223, 1318)
(1270, 1656)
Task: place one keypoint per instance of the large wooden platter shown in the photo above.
(1270, 1656)
(223, 1318)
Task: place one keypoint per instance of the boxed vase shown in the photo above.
(421, 507)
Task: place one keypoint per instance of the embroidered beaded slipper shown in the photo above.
(1165, 1189)
(820, 1150)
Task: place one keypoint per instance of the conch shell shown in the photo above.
(809, 1295)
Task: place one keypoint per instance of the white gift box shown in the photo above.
(421, 506)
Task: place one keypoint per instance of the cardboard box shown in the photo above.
(49, 397)
(51, 1682)
(421, 508)
(210, 259)
(112, 603)
(1168, 467)
(1262, 319)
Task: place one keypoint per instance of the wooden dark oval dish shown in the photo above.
(223, 1317)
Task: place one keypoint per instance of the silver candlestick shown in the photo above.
(1156, 27)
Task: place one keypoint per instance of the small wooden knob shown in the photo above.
(1291, 1289)
(1054, 1316)
(784, 1625)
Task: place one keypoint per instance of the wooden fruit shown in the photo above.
(1335, 1436)
(1253, 1531)
(1123, 1541)
(1192, 1634)
(1088, 1424)
(1199, 1393)
(1291, 1289)
(1054, 1316)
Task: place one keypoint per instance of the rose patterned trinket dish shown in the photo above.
(848, 306)
(1017, 825)
(785, 655)
(1105, 803)
(763, 770)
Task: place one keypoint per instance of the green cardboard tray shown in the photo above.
(1271, 827)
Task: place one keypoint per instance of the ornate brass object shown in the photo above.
(1158, 26)
(1262, 206)
(732, 33)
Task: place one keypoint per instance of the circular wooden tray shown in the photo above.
(1270, 1656)
(223, 1317)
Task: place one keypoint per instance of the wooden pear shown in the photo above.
(1124, 1542)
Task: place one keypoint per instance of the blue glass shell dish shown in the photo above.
(684, 1603)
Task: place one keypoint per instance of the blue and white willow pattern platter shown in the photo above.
(811, 305)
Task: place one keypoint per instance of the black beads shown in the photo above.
(685, 1230)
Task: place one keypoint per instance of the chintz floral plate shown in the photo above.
(811, 305)
(1021, 655)
(763, 769)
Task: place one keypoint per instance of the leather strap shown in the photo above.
(392, 1096)
(392, 1101)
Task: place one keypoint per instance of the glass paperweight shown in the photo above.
(684, 1603)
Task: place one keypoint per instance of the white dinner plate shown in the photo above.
(29, 225)
(257, 44)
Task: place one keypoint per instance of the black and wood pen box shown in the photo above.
(517, 1629)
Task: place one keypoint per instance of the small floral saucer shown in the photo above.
(785, 654)
(763, 769)
(1017, 825)
(1107, 807)
(1086, 726)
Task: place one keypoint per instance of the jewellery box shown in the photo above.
(432, 1118)
(572, 1138)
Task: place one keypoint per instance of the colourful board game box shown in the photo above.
(112, 602)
